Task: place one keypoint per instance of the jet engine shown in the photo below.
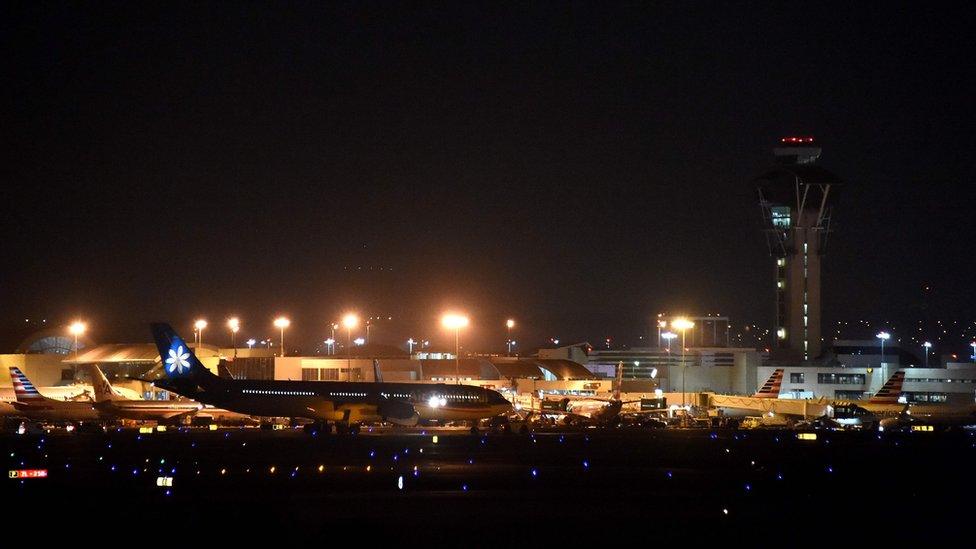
(398, 412)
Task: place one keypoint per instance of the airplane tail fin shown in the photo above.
(891, 390)
(103, 389)
(618, 381)
(179, 361)
(770, 389)
(23, 388)
(223, 371)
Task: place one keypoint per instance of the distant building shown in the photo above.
(864, 352)
(718, 369)
(708, 331)
(502, 373)
(954, 384)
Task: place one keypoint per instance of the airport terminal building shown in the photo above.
(855, 371)
(698, 369)
(124, 364)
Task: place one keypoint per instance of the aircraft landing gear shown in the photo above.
(320, 427)
(347, 428)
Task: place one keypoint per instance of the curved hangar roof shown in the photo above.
(128, 353)
(533, 368)
(52, 341)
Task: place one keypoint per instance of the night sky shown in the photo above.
(579, 167)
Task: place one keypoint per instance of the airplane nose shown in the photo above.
(500, 409)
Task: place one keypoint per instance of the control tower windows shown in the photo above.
(781, 216)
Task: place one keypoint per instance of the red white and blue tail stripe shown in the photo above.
(770, 389)
(891, 390)
(23, 388)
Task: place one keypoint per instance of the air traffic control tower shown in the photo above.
(795, 196)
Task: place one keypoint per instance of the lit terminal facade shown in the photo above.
(701, 369)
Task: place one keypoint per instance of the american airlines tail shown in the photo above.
(890, 391)
(770, 389)
(23, 388)
(103, 389)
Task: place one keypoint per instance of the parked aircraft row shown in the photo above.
(347, 404)
(344, 404)
(883, 409)
(107, 403)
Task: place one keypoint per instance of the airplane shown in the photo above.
(888, 409)
(112, 404)
(33, 405)
(840, 412)
(891, 414)
(345, 404)
(76, 391)
(591, 411)
(766, 400)
(883, 408)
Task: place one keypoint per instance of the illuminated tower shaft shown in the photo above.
(795, 197)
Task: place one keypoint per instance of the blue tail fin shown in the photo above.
(178, 359)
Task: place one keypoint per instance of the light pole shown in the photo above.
(350, 321)
(76, 329)
(883, 336)
(235, 325)
(682, 324)
(669, 336)
(281, 323)
(456, 322)
(510, 323)
(927, 345)
(410, 344)
(335, 326)
(200, 325)
(329, 345)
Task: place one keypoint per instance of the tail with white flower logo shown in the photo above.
(179, 361)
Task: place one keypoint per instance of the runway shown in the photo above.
(547, 486)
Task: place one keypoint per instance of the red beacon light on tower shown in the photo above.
(797, 149)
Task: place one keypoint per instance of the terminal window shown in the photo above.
(848, 395)
(926, 397)
(796, 377)
(841, 379)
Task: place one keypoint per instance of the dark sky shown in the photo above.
(578, 166)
